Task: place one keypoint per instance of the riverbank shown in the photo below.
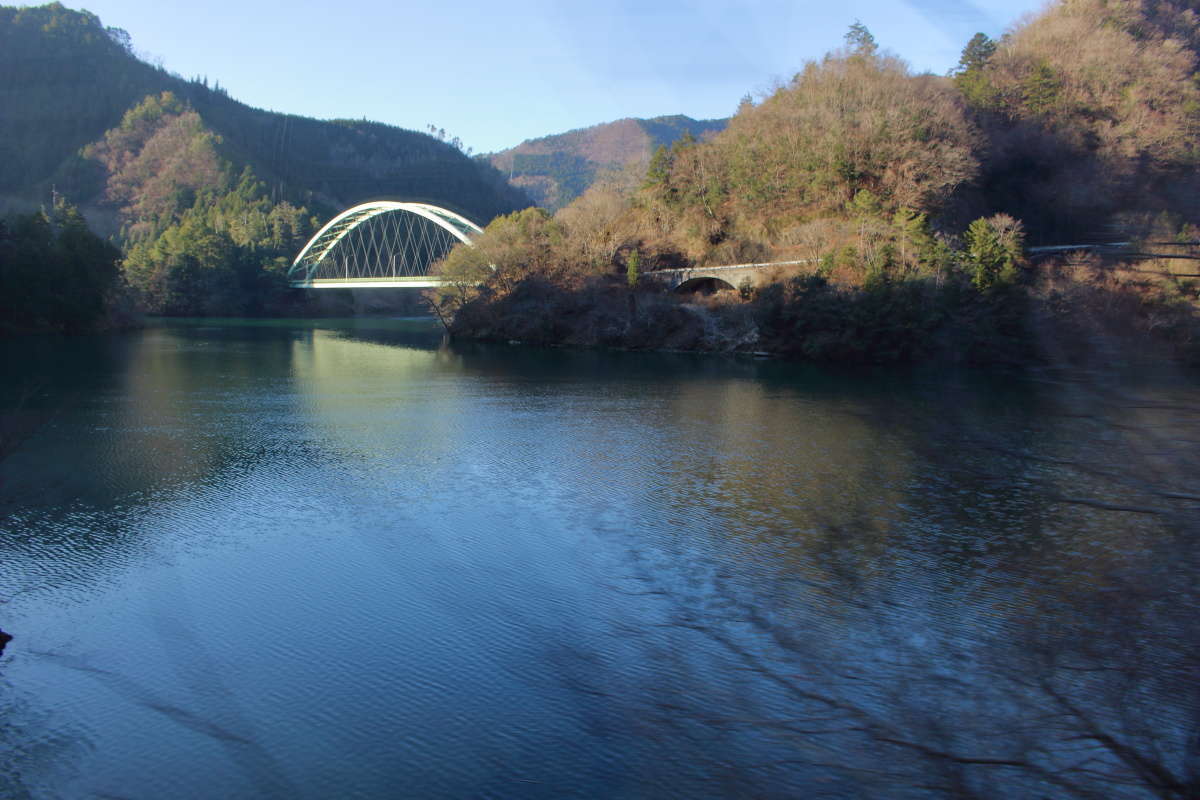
(809, 318)
(806, 318)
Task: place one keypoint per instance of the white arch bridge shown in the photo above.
(380, 244)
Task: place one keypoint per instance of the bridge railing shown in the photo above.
(735, 266)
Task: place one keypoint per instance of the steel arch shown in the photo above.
(309, 261)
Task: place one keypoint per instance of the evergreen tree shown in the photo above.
(971, 76)
(860, 40)
(976, 54)
(55, 274)
(660, 167)
(1041, 89)
(994, 251)
(632, 268)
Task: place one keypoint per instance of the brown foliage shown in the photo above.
(598, 224)
(853, 123)
(1118, 77)
(849, 123)
(1094, 109)
(160, 156)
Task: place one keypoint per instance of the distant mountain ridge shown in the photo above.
(556, 169)
(65, 80)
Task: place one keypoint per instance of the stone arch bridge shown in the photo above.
(733, 276)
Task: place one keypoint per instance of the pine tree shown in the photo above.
(976, 54)
(860, 40)
(632, 267)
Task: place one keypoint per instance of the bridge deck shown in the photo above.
(423, 282)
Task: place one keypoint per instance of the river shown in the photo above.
(344, 559)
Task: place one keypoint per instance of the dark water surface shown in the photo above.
(293, 560)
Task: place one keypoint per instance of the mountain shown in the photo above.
(66, 79)
(556, 169)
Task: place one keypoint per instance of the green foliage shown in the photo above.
(200, 242)
(632, 268)
(676, 177)
(971, 76)
(659, 169)
(572, 173)
(66, 80)
(860, 41)
(995, 248)
(227, 255)
(669, 129)
(1040, 89)
(55, 274)
(977, 89)
(977, 53)
(865, 204)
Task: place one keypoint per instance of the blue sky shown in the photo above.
(497, 73)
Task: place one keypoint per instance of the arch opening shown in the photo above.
(704, 285)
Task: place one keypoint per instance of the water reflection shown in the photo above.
(325, 559)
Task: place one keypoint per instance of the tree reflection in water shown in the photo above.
(1073, 670)
(671, 577)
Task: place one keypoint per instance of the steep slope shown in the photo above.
(65, 80)
(556, 169)
(1092, 111)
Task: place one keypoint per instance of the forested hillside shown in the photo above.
(66, 79)
(556, 169)
(901, 203)
(1092, 115)
(208, 198)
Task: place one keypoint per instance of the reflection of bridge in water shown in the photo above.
(386, 244)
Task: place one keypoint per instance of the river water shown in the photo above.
(291, 560)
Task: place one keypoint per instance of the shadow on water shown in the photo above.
(723, 575)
